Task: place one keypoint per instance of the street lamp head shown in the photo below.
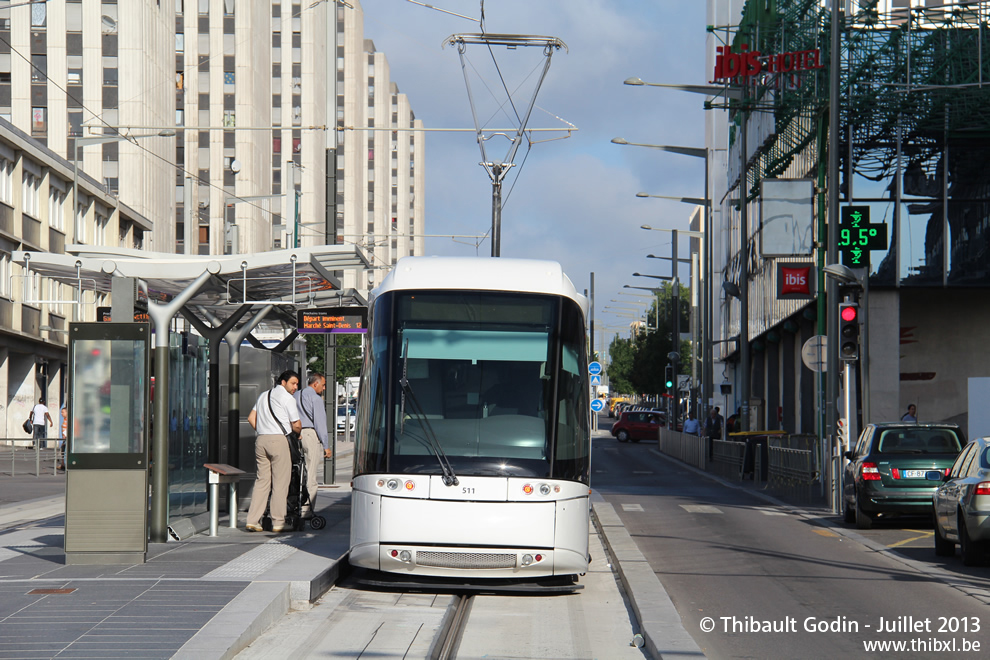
(731, 288)
(619, 141)
(633, 81)
(167, 132)
(645, 226)
(841, 273)
(642, 194)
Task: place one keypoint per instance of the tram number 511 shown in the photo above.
(467, 491)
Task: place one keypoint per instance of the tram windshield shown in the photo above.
(491, 383)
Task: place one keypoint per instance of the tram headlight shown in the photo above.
(392, 484)
(526, 560)
(544, 489)
(405, 556)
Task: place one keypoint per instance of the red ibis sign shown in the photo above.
(730, 65)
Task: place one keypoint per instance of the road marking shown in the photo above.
(642, 471)
(700, 508)
(632, 507)
(924, 535)
(771, 512)
(825, 532)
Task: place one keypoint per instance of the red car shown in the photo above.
(638, 425)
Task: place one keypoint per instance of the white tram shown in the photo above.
(473, 443)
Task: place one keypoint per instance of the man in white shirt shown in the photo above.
(271, 450)
(38, 417)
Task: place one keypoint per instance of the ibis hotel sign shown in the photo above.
(731, 66)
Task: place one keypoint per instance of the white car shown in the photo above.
(342, 419)
(962, 505)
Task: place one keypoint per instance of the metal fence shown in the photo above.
(19, 460)
(792, 472)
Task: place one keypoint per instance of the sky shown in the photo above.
(569, 200)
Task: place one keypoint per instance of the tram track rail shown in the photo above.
(452, 628)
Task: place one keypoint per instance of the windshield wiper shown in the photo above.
(449, 478)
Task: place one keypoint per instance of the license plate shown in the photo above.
(914, 474)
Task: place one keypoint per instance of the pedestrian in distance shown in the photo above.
(911, 415)
(691, 425)
(39, 415)
(714, 425)
(63, 435)
(315, 444)
(272, 417)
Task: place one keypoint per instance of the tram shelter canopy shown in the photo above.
(298, 277)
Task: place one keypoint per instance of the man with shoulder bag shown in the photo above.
(274, 416)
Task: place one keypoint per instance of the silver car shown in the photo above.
(962, 505)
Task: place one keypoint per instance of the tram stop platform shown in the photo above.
(210, 597)
(203, 597)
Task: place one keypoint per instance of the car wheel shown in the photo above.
(971, 551)
(863, 519)
(943, 546)
(848, 513)
(623, 436)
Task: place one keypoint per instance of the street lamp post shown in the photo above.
(738, 95)
(706, 249)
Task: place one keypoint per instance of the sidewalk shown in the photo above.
(205, 597)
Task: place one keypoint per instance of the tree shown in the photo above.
(348, 355)
(639, 364)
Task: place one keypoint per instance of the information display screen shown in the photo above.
(332, 320)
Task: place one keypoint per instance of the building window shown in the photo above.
(100, 237)
(6, 182)
(39, 122)
(30, 198)
(39, 15)
(228, 119)
(56, 210)
(5, 275)
(180, 42)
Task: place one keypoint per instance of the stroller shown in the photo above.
(298, 495)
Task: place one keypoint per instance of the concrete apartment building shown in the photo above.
(248, 119)
(246, 86)
(36, 187)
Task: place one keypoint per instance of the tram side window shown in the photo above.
(573, 434)
(371, 427)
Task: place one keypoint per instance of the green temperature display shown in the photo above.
(858, 236)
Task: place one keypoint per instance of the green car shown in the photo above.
(895, 468)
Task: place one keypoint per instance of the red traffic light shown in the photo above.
(848, 314)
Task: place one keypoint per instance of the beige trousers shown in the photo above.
(274, 474)
(312, 450)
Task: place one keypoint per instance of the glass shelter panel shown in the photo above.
(108, 389)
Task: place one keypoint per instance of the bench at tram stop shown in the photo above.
(221, 473)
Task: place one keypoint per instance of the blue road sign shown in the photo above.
(597, 405)
(595, 368)
(596, 381)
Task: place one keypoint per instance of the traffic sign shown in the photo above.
(595, 368)
(813, 353)
(597, 405)
(596, 380)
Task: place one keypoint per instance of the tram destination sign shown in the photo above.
(332, 320)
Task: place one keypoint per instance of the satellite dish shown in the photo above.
(235, 166)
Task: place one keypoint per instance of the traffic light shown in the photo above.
(669, 380)
(849, 331)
